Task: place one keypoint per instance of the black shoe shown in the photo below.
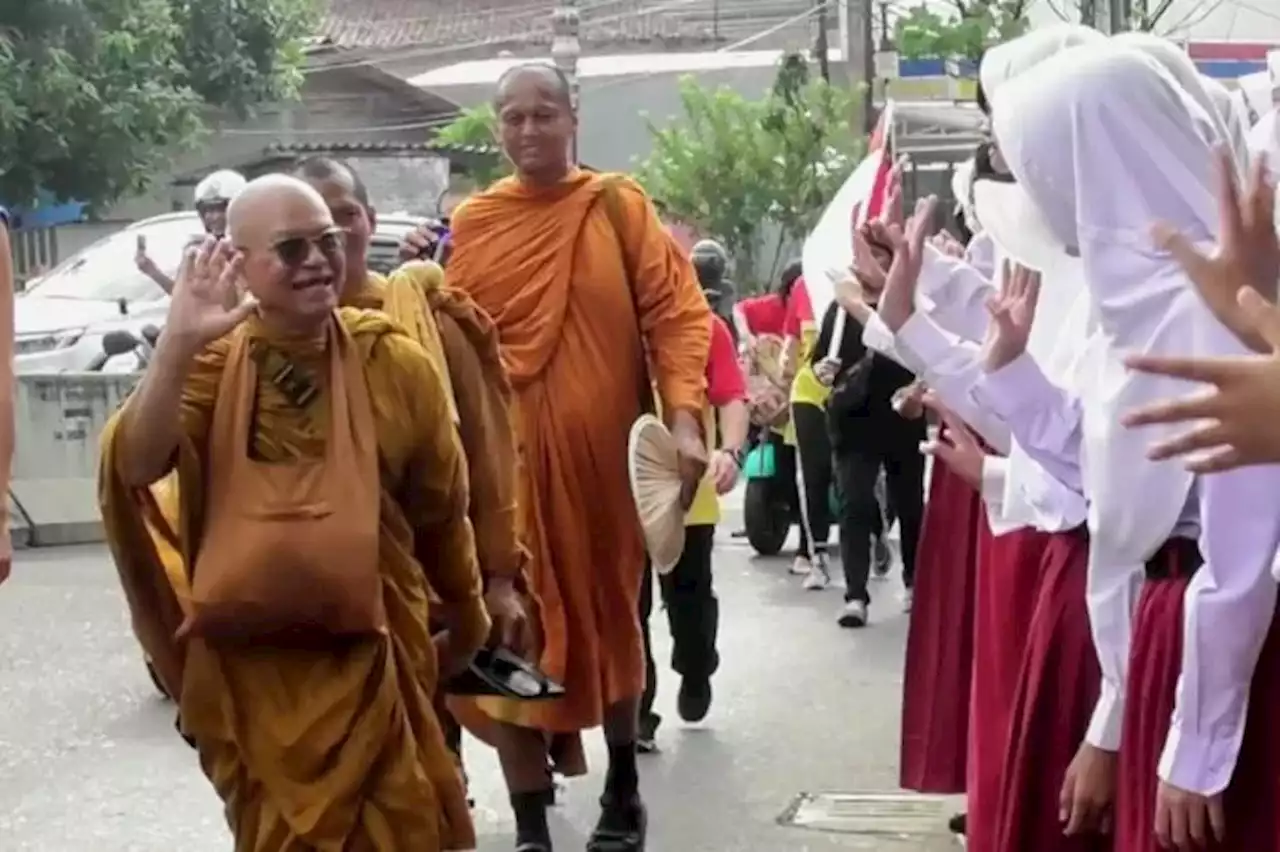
(957, 824)
(694, 700)
(533, 846)
(622, 827)
(647, 741)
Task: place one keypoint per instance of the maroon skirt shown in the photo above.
(1009, 570)
(935, 692)
(1155, 662)
(1055, 697)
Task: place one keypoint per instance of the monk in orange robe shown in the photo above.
(464, 343)
(580, 277)
(329, 745)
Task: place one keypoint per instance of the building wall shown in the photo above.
(340, 105)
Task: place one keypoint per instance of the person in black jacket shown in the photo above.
(867, 432)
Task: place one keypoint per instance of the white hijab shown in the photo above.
(1004, 62)
(1212, 97)
(1235, 117)
(1104, 143)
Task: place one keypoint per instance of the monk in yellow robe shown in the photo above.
(312, 748)
(464, 343)
(580, 276)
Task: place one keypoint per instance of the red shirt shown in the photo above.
(799, 310)
(765, 314)
(725, 381)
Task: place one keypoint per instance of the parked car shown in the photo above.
(62, 317)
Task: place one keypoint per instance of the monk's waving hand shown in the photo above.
(1233, 420)
(207, 301)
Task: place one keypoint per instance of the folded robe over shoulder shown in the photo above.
(315, 750)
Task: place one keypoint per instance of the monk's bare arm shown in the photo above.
(674, 315)
(489, 441)
(436, 496)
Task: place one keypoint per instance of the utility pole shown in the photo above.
(566, 47)
(857, 24)
(1120, 15)
(822, 45)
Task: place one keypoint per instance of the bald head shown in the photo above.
(549, 78)
(275, 205)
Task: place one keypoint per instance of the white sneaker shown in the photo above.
(818, 578)
(801, 566)
(908, 597)
(853, 615)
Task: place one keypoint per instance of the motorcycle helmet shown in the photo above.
(711, 262)
(219, 188)
(212, 196)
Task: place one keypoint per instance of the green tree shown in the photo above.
(99, 93)
(741, 169)
(476, 127)
(962, 31)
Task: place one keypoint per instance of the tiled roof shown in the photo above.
(450, 24)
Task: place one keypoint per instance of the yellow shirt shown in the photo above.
(705, 509)
(805, 388)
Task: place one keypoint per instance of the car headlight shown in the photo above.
(69, 337)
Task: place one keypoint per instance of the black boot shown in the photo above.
(957, 824)
(624, 822)
(532, 833)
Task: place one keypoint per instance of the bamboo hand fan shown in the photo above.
(654, 465)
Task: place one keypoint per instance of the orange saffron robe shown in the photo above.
(313, 751)
(549, 267)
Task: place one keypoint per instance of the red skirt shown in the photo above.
(1056, 693)
(935, 692)
(1009, 570)
(1155, 661)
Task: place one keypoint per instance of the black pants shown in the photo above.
(693, 614)
(857, 468)
(785, 469)
(813, 446)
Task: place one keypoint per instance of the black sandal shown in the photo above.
(621, 828)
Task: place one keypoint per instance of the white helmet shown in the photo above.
(219, 187)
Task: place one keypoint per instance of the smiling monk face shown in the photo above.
(293, 253)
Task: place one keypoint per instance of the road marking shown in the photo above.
(904, 815)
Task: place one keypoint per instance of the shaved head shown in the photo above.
(293, 255)
(273, 204)
(538, 73)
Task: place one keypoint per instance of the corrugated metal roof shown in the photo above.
(336, 147)
(407, 23)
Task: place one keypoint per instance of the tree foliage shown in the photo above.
(98, 93)
(732, 166)
(476, 127)
(964, 30)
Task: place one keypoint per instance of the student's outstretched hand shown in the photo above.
(1012, 313)
(1232, 422)
(1248, 254)
(897, 302)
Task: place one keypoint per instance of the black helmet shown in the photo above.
(711, 262)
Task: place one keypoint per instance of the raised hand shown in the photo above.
(206, 301)
(955, 445)
(897, 302)
(1233, 422)
(1012, 313)
(947, 244)
(1248, 254)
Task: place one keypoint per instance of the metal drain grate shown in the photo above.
(903, 815)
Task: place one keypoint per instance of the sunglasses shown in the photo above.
(294, 251)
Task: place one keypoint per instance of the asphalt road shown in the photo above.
(89, 760)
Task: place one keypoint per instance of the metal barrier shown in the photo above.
(53, 498)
